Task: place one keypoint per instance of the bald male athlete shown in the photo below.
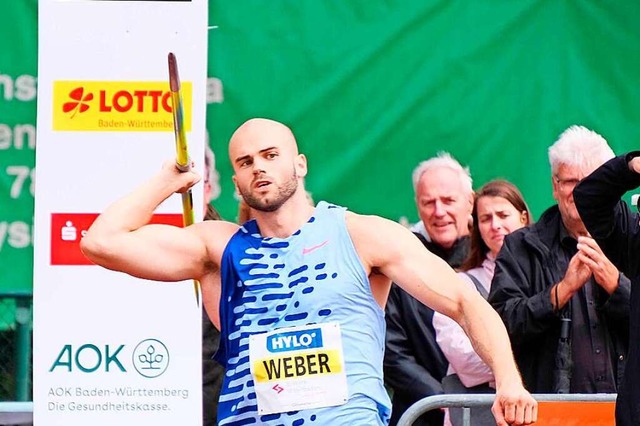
(302, 324)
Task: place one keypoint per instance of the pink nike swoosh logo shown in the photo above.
(310, 249)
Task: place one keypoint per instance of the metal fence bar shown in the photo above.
(481, 400)
(466, 416)
(16, 413)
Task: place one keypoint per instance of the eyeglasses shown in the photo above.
(566, 184)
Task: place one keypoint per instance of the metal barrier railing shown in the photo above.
(16, 413)
(468, 401)
(15, 346)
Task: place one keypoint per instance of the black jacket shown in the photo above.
(617, 230)
(414, 365)
(526, 269)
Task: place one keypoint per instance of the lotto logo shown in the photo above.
(117, 106)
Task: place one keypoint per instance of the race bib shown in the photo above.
(297, 368)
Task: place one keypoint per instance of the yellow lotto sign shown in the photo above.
(117, 106)
(298, 365)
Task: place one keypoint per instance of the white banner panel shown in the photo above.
(110, 349)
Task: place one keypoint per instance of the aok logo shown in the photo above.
(116, 106)
(295, 340)
(89, 358)
(150, 358)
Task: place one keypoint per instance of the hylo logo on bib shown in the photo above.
(295, 340)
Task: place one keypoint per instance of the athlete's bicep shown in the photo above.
(160, 252)
(399, 255)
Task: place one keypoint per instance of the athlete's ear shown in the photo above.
(235, 183)
(301, 165)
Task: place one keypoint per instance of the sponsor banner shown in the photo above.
(67, 229)
(147, 358)
(110, 348)
(117, 106)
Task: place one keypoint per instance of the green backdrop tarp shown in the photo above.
(371, 88)
(18, 69)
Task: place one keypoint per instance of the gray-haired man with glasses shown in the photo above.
(565, 305)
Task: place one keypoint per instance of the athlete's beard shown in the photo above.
(285, 191)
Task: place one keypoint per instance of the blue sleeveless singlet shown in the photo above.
(311, 277)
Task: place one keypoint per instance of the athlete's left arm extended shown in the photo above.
(400, 256)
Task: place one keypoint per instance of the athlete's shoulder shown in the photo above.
(368, 221)
(220, 226)
(216, 234)
(372, 232)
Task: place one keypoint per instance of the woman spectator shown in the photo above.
(499, 209)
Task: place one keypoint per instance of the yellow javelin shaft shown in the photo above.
(183, 161)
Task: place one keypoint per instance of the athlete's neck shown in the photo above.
(289, 218)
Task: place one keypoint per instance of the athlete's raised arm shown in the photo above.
(121, 239)
(394, 251)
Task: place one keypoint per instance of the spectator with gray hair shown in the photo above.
(434, 182)
(414, 365)
(565, 305)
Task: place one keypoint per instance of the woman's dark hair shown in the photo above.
(211, 213)
(495, 188)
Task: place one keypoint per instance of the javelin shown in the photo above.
(183, 162)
